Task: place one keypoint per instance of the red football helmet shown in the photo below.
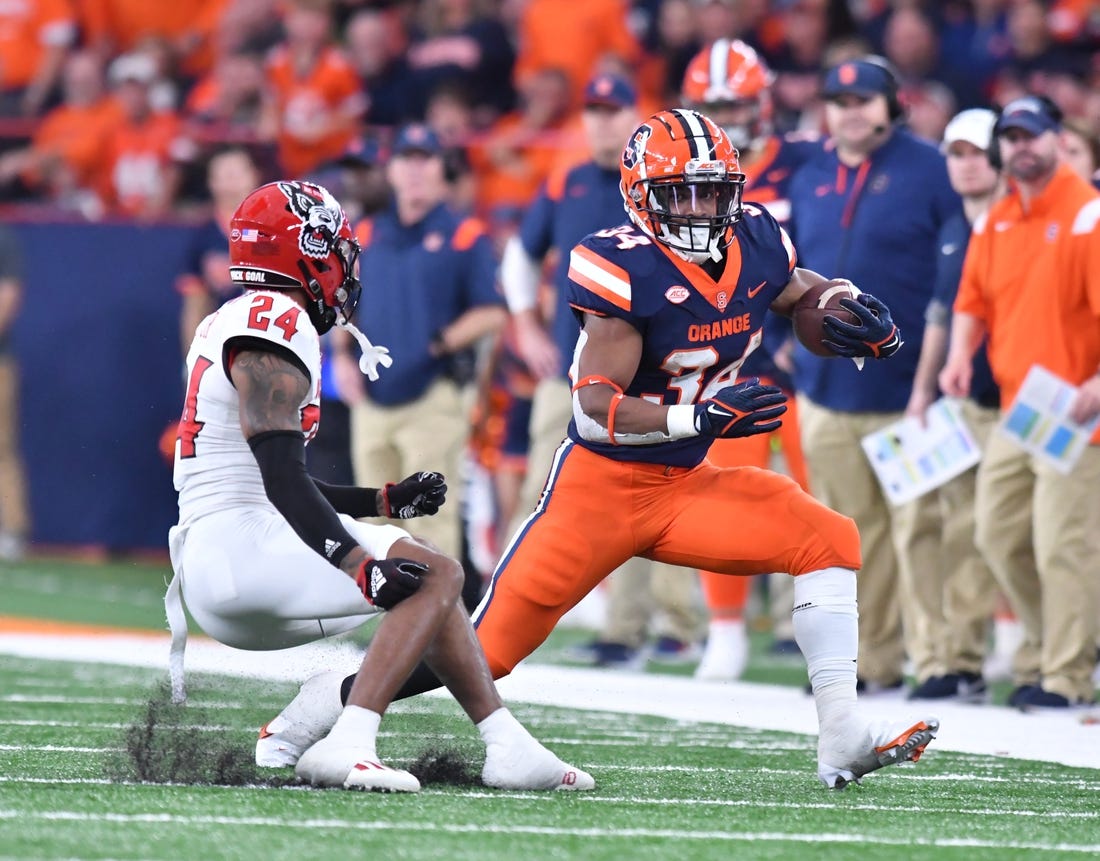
(730, 76)
(294, 234)
(682, 183)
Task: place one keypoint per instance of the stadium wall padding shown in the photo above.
(97, 340)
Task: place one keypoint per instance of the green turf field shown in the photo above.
(666, 789)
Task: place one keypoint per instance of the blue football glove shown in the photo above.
(875, 336)
(745, 409)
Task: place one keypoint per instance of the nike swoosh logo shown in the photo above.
(754, 290)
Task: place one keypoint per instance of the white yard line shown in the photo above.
(595, 834)
(1051, 736)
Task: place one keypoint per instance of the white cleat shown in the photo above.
(844, 760)
(531, 766)
(331, 763)
(305, 721)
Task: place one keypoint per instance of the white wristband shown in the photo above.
(680, 420)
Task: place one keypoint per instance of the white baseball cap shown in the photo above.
(136, 66)
(975, 126)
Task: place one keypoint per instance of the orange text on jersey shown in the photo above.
(713, 331)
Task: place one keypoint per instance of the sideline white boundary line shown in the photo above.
(991, 730)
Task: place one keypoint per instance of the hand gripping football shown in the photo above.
(817, 303)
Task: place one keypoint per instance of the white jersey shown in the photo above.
(215, 469)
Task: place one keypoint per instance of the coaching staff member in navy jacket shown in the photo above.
(870, 209)
(429, 295)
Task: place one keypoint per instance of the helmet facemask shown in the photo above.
(328, 311)
(693, 213)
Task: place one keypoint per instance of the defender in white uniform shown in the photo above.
(267, 557)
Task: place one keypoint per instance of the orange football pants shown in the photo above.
(726, 596)
(595, 513)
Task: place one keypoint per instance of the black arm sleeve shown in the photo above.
(355, 501)
(282, 459)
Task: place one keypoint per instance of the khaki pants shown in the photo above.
(970, 591)
(640, 586)
(390, 443)
(1040, 532)
(902, 561)
(14, 514)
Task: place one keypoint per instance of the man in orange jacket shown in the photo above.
(1031, 286)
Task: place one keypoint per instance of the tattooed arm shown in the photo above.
(271, 389)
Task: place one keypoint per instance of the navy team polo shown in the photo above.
(877, 225)
(417, 280)
(572, 204)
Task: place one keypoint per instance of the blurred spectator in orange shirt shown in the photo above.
(225, 104)
(144, 150)
(34, 37)
(315, 103)
(572, 36)
(119, 26)
(513, 158)
(70, 143)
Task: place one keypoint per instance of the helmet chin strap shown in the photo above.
(372, 356)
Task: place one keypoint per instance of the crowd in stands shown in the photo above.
(110, 108)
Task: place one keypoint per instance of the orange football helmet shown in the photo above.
(295, 234)
(729, 75)
(682, 183)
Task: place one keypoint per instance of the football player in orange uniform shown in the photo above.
(670, 305)
(729, 82)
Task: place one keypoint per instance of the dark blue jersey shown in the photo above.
(954, 239)
(418, 279)
(696, 332)
(878, 225)
(768, 177)
(572, 204)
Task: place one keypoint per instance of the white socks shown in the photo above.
(357, 727)
(501, 727)
(726, 633)
(826, 628)
(726, 653)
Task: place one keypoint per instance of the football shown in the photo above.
(814, 305)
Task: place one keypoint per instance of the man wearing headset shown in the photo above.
(1030, 290)
(870, 208)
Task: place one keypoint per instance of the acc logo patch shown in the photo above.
(677, 294)
(321, 217)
